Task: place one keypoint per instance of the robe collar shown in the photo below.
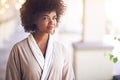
(45, 63)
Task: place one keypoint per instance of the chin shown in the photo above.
(51, 32)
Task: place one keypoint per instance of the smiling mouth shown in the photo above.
(50, 28)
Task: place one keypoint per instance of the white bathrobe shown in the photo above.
(26, 61)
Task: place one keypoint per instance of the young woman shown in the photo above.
(40, 56)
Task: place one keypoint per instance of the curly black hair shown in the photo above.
(32, 8)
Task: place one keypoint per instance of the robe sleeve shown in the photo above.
(13, 65)
(68, 73)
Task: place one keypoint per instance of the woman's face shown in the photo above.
(46, 22)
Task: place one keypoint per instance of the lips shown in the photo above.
(50, 27)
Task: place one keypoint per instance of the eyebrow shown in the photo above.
(48, 16)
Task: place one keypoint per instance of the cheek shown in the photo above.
(40, 24)
(56, 24)
(44, 24)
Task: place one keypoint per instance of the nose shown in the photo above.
(51, 21)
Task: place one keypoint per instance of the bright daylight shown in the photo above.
(64, 39)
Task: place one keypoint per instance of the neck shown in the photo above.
(41, 38)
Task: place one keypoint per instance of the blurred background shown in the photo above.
(87, 28)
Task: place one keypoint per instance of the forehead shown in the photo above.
(48, 13)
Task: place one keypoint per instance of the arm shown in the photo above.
(68, 73)
(13, 66)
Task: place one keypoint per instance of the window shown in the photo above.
(72, 20)
(112, 19)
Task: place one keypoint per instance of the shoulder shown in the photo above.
(21, 43)
(61, 47)
(59, 44)
(17, 47)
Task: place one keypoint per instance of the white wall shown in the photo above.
(92, 65)
(94, 20)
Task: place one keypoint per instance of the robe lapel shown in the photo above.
(45, 63)
(48, 59)
(36, 51)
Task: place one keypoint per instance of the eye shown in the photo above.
(44, 18)
(55, 18)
